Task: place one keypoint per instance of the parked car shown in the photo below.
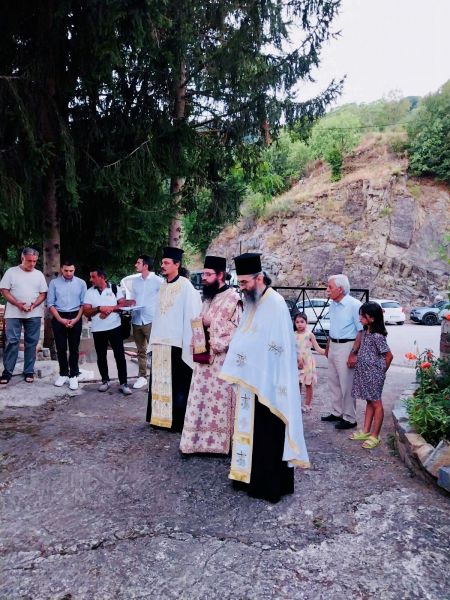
(196, 279)
(392, 310)
(427, 315)
(314, 308)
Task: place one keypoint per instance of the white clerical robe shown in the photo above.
(177, 303)
(262, 359)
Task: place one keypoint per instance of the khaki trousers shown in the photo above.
(141, 335)
(340, 381)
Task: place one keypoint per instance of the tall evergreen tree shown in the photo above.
(115, 113)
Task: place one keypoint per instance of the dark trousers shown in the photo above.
(270, 477)
(67, 336)
(114, 337)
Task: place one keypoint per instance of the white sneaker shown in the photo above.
(62, 379)
(124, 388)
(73, 383)
(104, 386)
(140, 383)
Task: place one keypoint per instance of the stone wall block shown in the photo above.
(444, 478)
(403, 222)
(440, 457)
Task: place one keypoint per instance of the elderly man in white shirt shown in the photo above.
(341, 351)
(144, 291)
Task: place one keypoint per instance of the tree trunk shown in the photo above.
(177, 183)
(266, 133)
(175, 228)
(50, 217)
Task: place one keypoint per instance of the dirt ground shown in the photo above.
(96, 505)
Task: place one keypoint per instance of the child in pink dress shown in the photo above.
(305, 341)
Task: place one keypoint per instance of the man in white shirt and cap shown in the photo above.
(262, 364)
(172, 363)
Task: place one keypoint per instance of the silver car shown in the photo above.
(427, 315)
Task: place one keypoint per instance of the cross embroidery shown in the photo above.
(241, 360)
(277, 350)
(240, 459)
(245, 400)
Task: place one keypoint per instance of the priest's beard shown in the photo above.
(209, 291)
(252, 296)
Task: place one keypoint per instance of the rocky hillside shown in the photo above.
(377, 225)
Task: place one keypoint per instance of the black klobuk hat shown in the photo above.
(248, 263)
(174, 253)
(218, 263)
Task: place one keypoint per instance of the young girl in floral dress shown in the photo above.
(374, 358)
(305, 340)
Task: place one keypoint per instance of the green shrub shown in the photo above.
(429, 408)
(335, 158)
(429, 136)
(398, 145)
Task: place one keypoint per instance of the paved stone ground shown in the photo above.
(95, 505)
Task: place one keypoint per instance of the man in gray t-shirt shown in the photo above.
(25, 289)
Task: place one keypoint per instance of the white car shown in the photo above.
(392, 311)
(314, 308)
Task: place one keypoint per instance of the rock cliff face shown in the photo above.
(380, 227)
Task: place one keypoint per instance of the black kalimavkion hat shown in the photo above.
(173, 253)
(248, 263)
(217, 263)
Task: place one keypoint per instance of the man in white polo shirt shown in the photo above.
(101, 304)
(144, 291)
(24, 289)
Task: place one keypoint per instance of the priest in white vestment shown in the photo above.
(261, 362)
(177, 304)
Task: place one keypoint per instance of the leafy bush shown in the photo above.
(429, 408)
(429, 135)
(334, 136)
(398, 144)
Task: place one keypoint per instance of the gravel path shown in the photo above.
(96, 505)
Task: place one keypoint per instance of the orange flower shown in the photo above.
(425, 365)
(410, 356)
(447, 316)
(429, 354)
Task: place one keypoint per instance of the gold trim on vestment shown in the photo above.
(242, 449)
(167, 294)
(161, 386)
(198, 336)
(238, 381)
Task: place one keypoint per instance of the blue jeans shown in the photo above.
(31, 328)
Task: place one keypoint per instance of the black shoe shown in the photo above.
(331, 418)
(345, 425)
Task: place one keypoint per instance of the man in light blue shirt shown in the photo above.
(144, 292)
(342, 348)
(65, 301)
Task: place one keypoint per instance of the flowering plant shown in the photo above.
(429, 408)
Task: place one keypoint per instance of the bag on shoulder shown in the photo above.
(125, 318)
